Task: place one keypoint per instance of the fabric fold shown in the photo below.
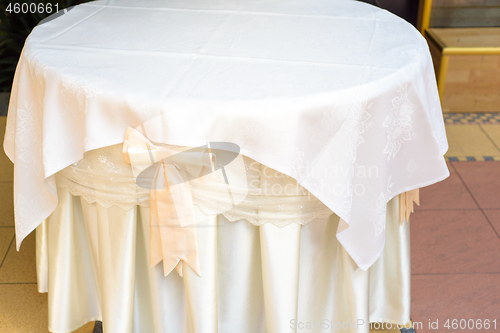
(245, 272)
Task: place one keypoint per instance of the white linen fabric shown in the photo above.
(339, 95)
(93, 262)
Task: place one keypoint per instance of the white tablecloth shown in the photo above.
(337, 94)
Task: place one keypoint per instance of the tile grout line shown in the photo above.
(7, 252)
(473, 198)
(489, 138)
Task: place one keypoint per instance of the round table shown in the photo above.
(339, 96)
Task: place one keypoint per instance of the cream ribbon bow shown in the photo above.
(172, 223)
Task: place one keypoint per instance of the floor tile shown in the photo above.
(6, 204)
(494, 217)
(447, 194)
(458, 296)
(6, 168)
(493, 131)
(20, 267)
(453, 241)
(483, 181)
(22, 309)
(6, 237)
(88, 328)
(469, 140)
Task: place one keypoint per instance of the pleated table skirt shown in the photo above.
(94, 263)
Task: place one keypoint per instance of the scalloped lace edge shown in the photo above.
(280, 223)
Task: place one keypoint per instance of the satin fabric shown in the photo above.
(94, 263)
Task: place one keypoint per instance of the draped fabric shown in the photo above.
(336, 94)
(94, 263)
(271, 264)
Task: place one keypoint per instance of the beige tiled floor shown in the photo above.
(473, 140)
(459, 139)
(6, 238)
(468, 139)
(6, 167)
(23, 309)
(493, 133)
(6, 198)
(19, 267)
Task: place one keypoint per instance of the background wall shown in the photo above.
(407, 9)
(465, 13)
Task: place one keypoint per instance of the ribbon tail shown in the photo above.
(180, 194)
(406, 207)
(415, 194)
(173, 237)
(179, 243)
(195, 267)
(411, 197)
(155, 248)
(178, 268)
